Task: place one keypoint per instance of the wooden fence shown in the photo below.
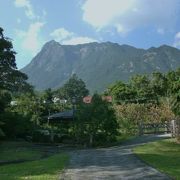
(175, 128)
(154, 128)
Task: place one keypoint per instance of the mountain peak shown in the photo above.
(98, 64)
(51, 43)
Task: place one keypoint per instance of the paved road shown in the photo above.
(113, 163)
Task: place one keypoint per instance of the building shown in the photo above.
(88, 99)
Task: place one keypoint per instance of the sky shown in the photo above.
(140, 23)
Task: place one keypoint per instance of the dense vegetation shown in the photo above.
(147, 99)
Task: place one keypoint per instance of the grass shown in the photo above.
(45, 169)
(164, 155)
(123, 138)
(13, 151)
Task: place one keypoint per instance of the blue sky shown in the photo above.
(141, 23)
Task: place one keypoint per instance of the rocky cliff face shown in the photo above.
(98, 64)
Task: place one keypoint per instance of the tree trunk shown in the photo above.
(90, 140)
(140, 127)
(178, 130)
(52, 135)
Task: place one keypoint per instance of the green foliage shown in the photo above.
(16, 125)
(10, 78)
(75, 88)
(28, 105)
(141, 84)
(159, 84)
(48, 96)
(144, 89)
(121, 92)
(130, 115)
(96, 122)
(5, 98)
(18, 151)
(12, 81)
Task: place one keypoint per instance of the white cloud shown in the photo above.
(78, 40)
(44, 12)
(61, 34)
(70, 38)
(28, 7)
(177, 40)
(18, 20)
(121, 29)
(160, 31)
(177, 36)
(30, 40)
(126, 15)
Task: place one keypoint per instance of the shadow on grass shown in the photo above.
(48, 168)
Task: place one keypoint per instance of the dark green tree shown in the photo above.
(96, 122)
(144, 92)
(75, 88)
(121, 92)
(159, 84)
(5, 98)
(175, 104)
(12, 81)
(10, 78)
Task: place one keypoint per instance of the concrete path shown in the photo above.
(113, 163)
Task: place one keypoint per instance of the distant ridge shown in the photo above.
(98, 64)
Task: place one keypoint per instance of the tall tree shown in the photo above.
(141, 84)
(175, 93)
(159, 84)
(121, 92)
(96, 122)
(10, 78)
(75, 88)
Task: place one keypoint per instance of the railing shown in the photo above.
(175, 131)
(154, 128)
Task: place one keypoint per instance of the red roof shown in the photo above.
(88, 99)
(107, 98)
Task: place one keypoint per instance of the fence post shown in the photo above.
(178, 129)
(140, 127)
(173, 128)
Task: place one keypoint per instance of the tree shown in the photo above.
(121, 92)
(75, 88)
(173, 85)
(10, 78)
(159, 84)
(96, 122)
(141, 84)
(176, 101)
(5, 99)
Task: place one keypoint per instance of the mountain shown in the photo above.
(98, 64)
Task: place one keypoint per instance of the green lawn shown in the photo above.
(11, 151)
(163, 155)
(45, 169)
